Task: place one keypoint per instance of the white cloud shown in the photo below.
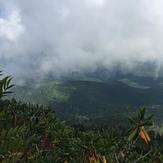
(11, 27)
(98, 3)
(65, 36)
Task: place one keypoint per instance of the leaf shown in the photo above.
(131, 120)
(5, 85)
(144, 135)
(103, 159)
(142, 113)
(132, 134)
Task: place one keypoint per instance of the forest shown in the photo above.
(34, 133)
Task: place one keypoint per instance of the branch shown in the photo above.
(116, 158)
(143, 156)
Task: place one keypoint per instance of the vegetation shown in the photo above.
(32, 133)
(84, 102)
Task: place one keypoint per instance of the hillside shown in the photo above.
(80, 100)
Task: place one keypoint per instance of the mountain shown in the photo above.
(83, 98)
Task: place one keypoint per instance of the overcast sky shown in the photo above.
(38, 37)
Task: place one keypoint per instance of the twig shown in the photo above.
(116, 157)
(134, 142)
(143, 156)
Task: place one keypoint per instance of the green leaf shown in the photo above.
(132, 134)
(142, 113)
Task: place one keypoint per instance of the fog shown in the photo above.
(59, 37)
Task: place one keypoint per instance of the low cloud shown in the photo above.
(61, 37)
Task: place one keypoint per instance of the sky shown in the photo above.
(59, 37)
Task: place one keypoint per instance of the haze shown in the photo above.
(64, 36)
